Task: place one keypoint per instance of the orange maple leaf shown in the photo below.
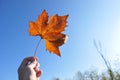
(50, 30)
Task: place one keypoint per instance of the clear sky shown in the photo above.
(88, 20)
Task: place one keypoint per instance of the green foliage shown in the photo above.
(109, 74)
(56, 79)
(94, 75)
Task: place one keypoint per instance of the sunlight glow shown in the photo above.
(113, 51)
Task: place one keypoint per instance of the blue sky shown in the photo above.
(88, 20)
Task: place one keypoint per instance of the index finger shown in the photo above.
(28, 59)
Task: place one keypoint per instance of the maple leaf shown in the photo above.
(50, 30)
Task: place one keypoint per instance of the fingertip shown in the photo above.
(38, 65)
(35, 58)
(33, 63)
(38, 74)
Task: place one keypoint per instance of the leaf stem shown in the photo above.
(37, 46)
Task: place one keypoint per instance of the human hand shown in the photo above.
(29, 69)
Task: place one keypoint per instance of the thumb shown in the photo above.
(33, 64)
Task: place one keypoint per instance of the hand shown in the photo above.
(29, 69)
